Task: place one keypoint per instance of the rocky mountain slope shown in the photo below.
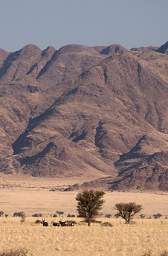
(86, 110)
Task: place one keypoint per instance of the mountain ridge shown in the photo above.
(80, 110)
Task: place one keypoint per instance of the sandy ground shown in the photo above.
(46, 202)
(33, 195)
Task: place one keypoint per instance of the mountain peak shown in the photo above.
(163, 48)
(30, 49)
(114, 48)
(80, 110)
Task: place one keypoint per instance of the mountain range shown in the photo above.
(84, 111)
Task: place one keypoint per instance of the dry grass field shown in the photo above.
(33, 195)
(81, 240)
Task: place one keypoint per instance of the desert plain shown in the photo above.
(35, 195)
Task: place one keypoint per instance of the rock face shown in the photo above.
(163, 48)
(98, 111)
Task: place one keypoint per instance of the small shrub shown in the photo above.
(55, 224)
(37, 215)
(71, 215)
(70, 223)
(1, 213)
(38, 221)
(60, 213)
(108, 215)
(106, 224)
(55, 215)
(6, 215)
(157, 215)
(19, 252)
(142, 216)
(19, 214)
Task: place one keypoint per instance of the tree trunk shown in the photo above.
(128, 220)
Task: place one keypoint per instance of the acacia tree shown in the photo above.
(89, 204)
(127, 211)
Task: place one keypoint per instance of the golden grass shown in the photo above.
(33, 195)
(121, 239)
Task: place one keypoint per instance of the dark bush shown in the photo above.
(1, 213)
(71, 215)
(19, 252)
(142, 216)
(60, 213)
(106, 224)
(70, 223)
(108, 215)
(38, 221)
(55, 224)
(37, 215)
(19, 214)
(157, 215)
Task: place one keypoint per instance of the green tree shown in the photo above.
(89, 204)
(127, 211)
